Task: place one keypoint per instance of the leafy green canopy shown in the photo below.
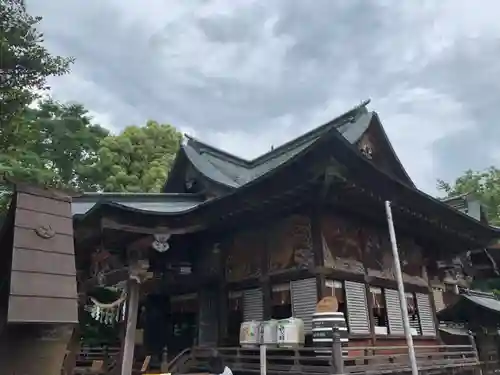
(25, 63)
(136, 160)
(59, 145)
(485, 185)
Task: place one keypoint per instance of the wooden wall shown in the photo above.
(43, 277)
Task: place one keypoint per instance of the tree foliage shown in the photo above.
(52, 144)
(485, 185)
(25, 63)
(136, 160)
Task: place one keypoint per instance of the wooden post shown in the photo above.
(164, 360)
(317, 243)
(337, 359)
(132, 309)
(105, 359)
(477, 370)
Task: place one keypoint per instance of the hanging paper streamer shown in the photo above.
(109, 313)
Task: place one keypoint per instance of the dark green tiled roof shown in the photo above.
(151, 202)
(234, 172)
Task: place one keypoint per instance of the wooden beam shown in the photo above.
(129, 345)
(108, 279)
(108, 223)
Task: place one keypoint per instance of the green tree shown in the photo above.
(25, 63)
(485, 185)
(51, 144)
(136, 160)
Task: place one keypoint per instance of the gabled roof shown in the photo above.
(306, 167)
(231, 171)
(468, 204)
(398, 168)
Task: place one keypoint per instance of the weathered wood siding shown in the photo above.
(43, 277)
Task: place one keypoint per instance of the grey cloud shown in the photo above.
(252, 68)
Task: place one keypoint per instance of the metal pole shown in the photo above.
(263, 360)
(401, 289)
(337, 358)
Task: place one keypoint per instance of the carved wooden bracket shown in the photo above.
(139, 271)
(160, 242)
(367, 151)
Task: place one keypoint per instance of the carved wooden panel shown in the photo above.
(366, 146)
(412, 261)
(379, 261)
(290, 244)
(375, 147)
(43, 277)
(378, 258)
(245, 250)
(342, 245)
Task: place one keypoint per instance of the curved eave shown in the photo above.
(466, 307)
(389, 188)
(305, 166)
(274, 183)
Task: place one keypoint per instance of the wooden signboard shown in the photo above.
(43, 276)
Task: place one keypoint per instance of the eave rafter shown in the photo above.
(404, 215)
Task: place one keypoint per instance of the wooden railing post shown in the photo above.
(105, 358)
(478, 370)
(164, 360)
(337, 359)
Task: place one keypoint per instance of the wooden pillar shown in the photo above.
(129, 343)
(223, 304)
(363, 240)
(317, 243)
(265, 282)
(72, 352)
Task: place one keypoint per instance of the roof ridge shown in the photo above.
(205, 147)
(349, 116)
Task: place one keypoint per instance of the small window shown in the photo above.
(281, 301)
(379, 309)
(335, 289)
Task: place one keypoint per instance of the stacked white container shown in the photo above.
(269, 333)
(250, 334)
(291, 333)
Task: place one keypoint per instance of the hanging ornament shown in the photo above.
(107, 313)
(160, 242)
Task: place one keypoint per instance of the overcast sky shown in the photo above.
(244, 74)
